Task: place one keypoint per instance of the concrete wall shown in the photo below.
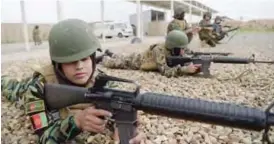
(145, 16)
(13, 32)
(157, 28)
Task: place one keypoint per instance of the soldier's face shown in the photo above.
(182, 52)
(78, 72)
(208, 18)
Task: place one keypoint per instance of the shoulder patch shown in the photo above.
(35, 106)
(39, 121)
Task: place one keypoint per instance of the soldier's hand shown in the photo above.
(193, 68)
(196, 29)
(89, 119)
(138, 138)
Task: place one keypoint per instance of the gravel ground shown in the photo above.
(251, 85)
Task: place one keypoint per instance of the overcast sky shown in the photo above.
(44, 11)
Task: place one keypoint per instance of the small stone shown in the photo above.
(246, 140)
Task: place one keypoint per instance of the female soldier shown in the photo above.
(72, 52)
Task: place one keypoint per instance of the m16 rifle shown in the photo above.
(206, 61)
(125, 104)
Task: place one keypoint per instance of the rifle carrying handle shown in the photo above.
(202, 111)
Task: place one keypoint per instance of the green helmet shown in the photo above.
(207, 14)
(176, 39)
(178, 11)
(71, 40)
(218, 18)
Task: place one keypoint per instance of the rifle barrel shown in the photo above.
(233, 60)
(224, 114)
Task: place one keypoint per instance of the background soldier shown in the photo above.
(36, 35)
(179, 23)
(154, 59)
(206, 33)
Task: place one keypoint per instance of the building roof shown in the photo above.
(201, 5)
(197, 7)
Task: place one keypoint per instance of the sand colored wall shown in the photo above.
(13, 32)
(157, 28)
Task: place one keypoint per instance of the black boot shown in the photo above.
(108, 53)
(98, 59)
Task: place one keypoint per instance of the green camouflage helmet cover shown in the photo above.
(71, 40)
(178, 11)
(207, 14)
(176, 39)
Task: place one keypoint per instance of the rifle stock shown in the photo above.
(125, 104)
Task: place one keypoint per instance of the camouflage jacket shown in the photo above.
(36, 33)
(217, 28)
(177, 25)
(203, 22)
(51, 127)
(155, 59)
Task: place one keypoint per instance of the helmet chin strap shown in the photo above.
(62, 79)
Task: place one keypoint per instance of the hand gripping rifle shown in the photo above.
(124, 106)
(206, 61)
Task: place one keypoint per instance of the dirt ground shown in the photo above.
(250, 85)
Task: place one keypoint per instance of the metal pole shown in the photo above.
(138, 19)
(171, 8)
(141, 22)
(103, 18)
(59, 7)
(24, 25)
(190, 14)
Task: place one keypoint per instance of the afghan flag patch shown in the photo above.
(39, 120)
(35, 106)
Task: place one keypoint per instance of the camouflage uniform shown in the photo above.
(218, 29)
(153, 59)
(206, 34)
(179, 23)
(55, 126)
